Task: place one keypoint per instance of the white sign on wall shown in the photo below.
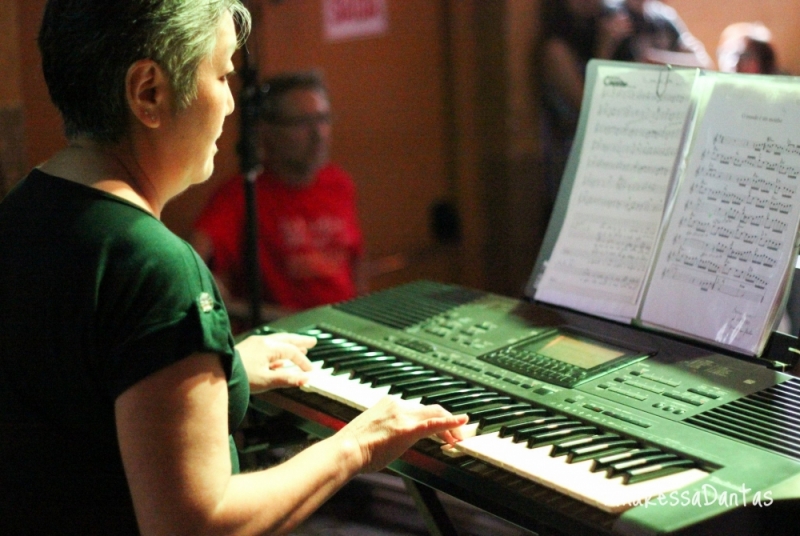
(351, 19)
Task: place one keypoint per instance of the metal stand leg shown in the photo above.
(429, 505)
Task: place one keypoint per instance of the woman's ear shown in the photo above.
(147, 92)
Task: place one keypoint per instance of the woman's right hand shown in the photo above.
(387, 429)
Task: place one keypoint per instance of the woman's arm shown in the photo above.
(173, 435)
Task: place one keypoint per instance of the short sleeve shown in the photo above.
(158, 346)
(158, 303)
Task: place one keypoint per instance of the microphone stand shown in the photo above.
(249, 165)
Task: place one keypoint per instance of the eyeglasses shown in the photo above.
(310, 120)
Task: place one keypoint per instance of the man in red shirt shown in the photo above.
(309, 238)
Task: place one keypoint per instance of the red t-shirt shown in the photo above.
(309, 238)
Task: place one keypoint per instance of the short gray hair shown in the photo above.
(87, 47)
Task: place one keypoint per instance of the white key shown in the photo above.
(346, 390)
(573, 479)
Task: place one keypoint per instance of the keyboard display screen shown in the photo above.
(576, 350)
(564, 357)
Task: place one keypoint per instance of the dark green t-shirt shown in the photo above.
(95, 294)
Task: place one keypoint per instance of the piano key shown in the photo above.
(560, 434)
(565, 447)
(351, 357)
(342, 389)
(494, 423)
(403, 373)
(366, 374)
(433, 388)
(573, 479)
(327, 342)
(499, 413)
(462, 406)
(342, 363)
(591, 452)
(454, 395)
(640, 474)
(425, 384)
(525, 433)
(511, 428)
(522, 433)
(616, 469)
(388, 368)
(602, 463)
(335, 350)
(366, 363)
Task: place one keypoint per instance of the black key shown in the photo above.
(498, 420)
(511, 428)
(591, 452)
(402, 373)
(640, 474)
(430, 386)
(512, 424)
(616, 469)
(349, 364)
(442, 388)
(524, 433)
(457, 394)
(371, 364)
(351, 358)
(323, 337)
(601, 463)
(336, 349)
(369, 375)
(318, 353)
(347, 357)
(433, 380)
(565, 447)
(561, 434)
(329, 342)
(499, 411)
(462, 406)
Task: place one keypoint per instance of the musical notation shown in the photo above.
(728, 245)
(731, 230)
(634, 129)
(639, 169)
(627, 110)
(684, 207)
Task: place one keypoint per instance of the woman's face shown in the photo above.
(191, 142)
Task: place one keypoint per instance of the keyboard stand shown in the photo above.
(430, 508)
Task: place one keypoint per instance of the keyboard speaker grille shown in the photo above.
(769, 419)
(410, 304)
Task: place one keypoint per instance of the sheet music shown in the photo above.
(632, 136)
(731, 238)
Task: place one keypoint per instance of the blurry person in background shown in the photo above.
(657, 35)
(309, 237)
(746, 47)
(572, 33)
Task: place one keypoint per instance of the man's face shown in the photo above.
(299, 141)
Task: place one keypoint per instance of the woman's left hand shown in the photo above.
(276, 360)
